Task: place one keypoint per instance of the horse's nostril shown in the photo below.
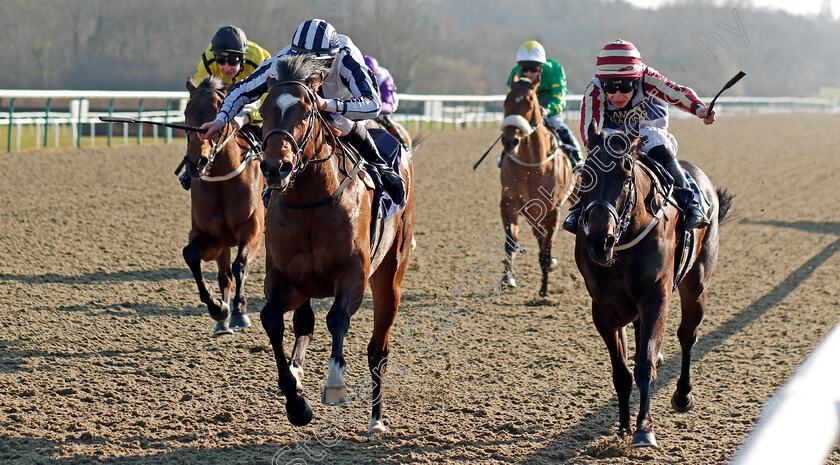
(610, 242)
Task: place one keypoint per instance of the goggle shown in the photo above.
(625, 87)
(531, 68)
(231, 60)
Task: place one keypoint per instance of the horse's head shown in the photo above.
(291, 119)
(607, 192)
(205, 102)
(522, 112)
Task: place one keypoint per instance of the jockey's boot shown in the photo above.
(570, 147)
(571, 221)
(692, 213)
(391, 180)
(185, 179)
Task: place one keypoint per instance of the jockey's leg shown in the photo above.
(571, 222)
(665, 156)
(567, 140)
(363, 142)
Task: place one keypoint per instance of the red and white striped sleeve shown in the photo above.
(592, 111)
(660, 87)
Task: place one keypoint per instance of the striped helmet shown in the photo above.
(316, 36)
(619, 59)
(531, 51)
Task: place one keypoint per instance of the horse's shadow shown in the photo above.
(98, 276)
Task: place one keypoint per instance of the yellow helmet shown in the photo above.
(531, 51)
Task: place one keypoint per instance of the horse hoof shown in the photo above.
(222, 328)
(239, 321)
(219, 311)
(334, 395)
(298, 411)
(413, 243)
(553, 264)
(643, 438)
(376, 427)
(681, 406)
(660, 359)
(508, 281)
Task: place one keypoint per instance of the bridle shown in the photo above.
(622, 219)
(298, 164)
(216, 146)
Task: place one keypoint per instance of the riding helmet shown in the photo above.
(316, 36)
(619, 59)
(229, 39)
(531, 51)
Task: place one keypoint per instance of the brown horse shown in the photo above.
(226, 207)
(536, 177)
(627, 239)
(318, 239)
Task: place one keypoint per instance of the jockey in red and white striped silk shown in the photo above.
(626, 92)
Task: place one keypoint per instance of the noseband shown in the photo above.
(297, 159)
(622, 219)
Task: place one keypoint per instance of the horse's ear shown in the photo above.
(514, 79)
(271, 80)
(190, 84)
(314, 83)
(594, 138)
(536, 82)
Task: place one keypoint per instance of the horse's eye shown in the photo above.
(307, 115)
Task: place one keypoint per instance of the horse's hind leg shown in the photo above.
(241, 267)
(219, 309)
(304, 326)
(297, 409)
(385, 286)
(616, 341)
(693, 303)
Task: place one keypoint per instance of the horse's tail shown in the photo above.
(724, 205)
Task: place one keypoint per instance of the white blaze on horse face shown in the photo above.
(285, 101)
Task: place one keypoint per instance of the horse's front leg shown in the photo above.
(654, 312)
(510, 216)
(194, 252)
(545, 236)
(298, 409)
(351, 290)
(616, 340)
(245, 256)
(304, 326)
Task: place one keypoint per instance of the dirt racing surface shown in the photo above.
(106, 354)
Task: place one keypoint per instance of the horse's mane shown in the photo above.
(618, 143)
(211, 82)
(300, 67)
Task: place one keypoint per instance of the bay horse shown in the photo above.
(625, 247)
(536, 177)
(318, 239)
(225, 204)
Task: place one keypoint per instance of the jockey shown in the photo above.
(388, 92)
(531, 63)
(231, 57)
(625, 91)
(348, 94)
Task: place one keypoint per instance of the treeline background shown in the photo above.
(430, 46)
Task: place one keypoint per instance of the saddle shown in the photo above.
(686, 250)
